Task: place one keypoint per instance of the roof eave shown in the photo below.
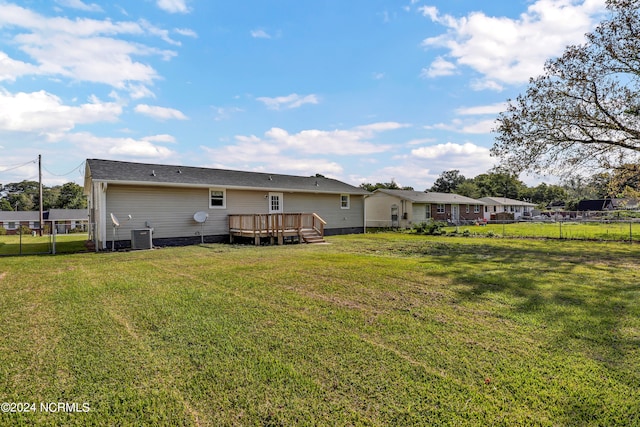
(229, 187)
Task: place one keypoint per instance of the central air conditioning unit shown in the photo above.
(142, 239)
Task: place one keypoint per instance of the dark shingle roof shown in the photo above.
(68, 214)
(153, 174)
(19, 216)
(431, 197)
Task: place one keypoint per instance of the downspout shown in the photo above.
(364, 212)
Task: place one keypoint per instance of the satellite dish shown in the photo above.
(114, 220)
(200, 216)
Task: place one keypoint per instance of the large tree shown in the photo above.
(584, 111)
(448, 181)
(71, 197)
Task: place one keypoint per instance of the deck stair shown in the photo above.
(276, 227)
(311, 236)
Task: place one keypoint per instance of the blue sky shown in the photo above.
(358, 90)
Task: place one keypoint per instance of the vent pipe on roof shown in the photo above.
(153, 172)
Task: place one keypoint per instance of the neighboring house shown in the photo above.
(607, 204)
(67, 220)
(500, 207)
(403, 208)
(64, 219)
(231, 203)
(13, 220)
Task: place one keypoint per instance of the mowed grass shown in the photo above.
(613, 231)
(65, 243)
(384, 329)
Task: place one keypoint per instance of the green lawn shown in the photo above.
(65, 243)
(614, 231)
(383, 329)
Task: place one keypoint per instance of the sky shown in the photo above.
(357, 90)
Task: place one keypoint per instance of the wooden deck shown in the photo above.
(308, 227)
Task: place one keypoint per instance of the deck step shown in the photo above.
(312, 236)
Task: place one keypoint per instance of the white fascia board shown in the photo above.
(213, 185)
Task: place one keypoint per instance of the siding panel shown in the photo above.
(169, 210)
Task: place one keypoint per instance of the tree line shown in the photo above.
(25, 196)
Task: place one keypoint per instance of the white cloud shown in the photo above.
(10, 69)
(408, 173)
(440, 150)
(173, 6)
(469, 158)
(42, 112)
(304, 149)
(187, 32)
(169, 139)
(114, 148)
(280, 163)
(420, 141)
(465, 126)
(482, 109)
(260, 34)
(160, 113)
(139, 91)
(288, 102)
(80, 49)
(78, 4)
(509, 51)
(439, 67)
(225, 113)
(480, 127)
(340, 142)
(486, 84)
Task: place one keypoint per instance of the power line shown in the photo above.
(12, 167)
(64, 174)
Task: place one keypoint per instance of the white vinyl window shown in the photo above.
(344, 201)
(476, 208)
(217, 198)
(275, 203)
(440, 208)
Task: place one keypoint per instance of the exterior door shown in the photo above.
(455, 213)
(275, 203)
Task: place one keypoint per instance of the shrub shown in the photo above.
(420, 227)
(3, 231)
(430, 227)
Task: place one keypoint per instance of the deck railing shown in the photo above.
(274, 225)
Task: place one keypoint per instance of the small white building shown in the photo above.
(499, 205)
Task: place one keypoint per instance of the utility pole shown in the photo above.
(40, 181)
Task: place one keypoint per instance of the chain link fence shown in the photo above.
(25, 241)
(596, 226)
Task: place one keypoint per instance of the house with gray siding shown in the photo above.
(165, 199)
(403, 208)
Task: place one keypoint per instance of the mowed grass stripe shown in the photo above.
(370, 330)
(273, 301)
